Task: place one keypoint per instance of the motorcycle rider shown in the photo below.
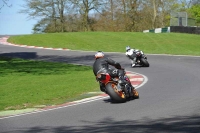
(103, 63)
(131, 54)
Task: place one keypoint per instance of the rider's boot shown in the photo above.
(133, 62)
(133, 65)
(102, 87)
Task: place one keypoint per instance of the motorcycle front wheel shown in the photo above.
(115, 95)
(145, 63)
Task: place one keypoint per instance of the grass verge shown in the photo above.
(162, 43)
(26, 83)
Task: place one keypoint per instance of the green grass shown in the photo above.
(25, 83)
(163, 43)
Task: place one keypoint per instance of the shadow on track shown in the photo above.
(189, 124)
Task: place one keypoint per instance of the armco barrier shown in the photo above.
(158, 30)
(184, 29)
(164, 30)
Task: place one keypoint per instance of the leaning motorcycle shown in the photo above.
(114, 90)
(141, 58)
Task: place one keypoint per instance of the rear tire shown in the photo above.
(114, 94)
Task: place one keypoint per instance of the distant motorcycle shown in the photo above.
(113, 89)
(141, 58)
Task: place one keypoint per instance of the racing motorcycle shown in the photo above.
(117, 92)
(141, 58)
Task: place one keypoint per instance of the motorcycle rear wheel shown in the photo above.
(115, 95)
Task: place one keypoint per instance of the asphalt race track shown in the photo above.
(169, 102)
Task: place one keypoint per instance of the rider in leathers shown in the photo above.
(131, 54)
(103, 63)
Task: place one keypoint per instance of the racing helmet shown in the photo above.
(128, 48)
(99, 54)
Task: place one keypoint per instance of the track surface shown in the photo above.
(169, 101)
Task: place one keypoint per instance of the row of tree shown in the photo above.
(105, 15)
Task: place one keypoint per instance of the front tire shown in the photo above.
(115, 95)
(145, 63)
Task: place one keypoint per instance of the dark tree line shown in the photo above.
(105, 15)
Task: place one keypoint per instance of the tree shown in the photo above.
(104, 15)
(195, 11)
(48, 10)
(41, 26)
(84, 7)
(5, 3)
(132, 14)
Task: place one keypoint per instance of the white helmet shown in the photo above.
(128, 48)
(99, 54)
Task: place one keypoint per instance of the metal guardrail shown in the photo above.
(184, 29)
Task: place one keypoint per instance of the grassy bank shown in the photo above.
(25, 83)
(163, 43)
